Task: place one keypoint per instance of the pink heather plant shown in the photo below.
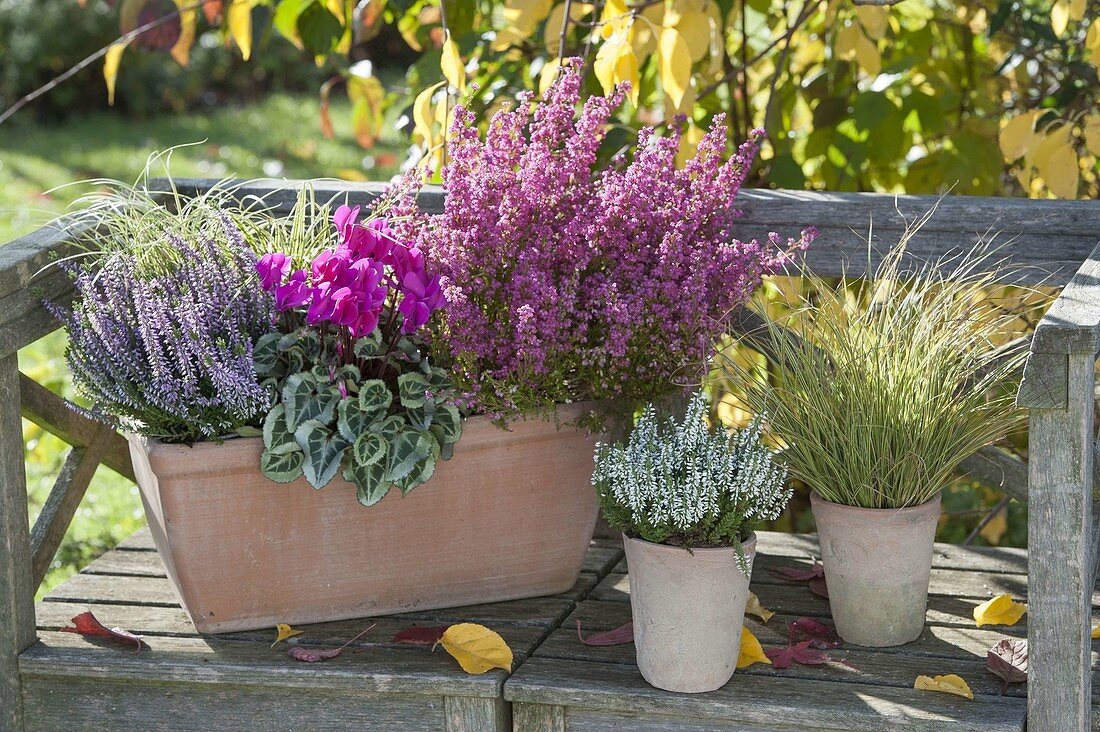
(563, 281)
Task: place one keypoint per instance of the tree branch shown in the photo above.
(66, 75)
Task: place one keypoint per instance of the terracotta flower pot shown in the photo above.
(877, 563)
(509, 516)
(688, 608)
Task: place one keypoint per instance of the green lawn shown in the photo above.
(277, 137)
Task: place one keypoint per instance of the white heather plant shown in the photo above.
(687, 484)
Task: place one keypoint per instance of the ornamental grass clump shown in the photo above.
(166, 350)
(566, 279)
(688, 484)
(880, 387)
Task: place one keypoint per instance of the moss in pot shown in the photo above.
(685, 496)
(879, 389)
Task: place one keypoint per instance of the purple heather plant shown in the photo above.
(168, 353)
(563, 281)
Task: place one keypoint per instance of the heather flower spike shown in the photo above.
(566, 280)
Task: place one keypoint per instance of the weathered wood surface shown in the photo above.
(579, 687)
(1072, 324)
(618, 692)
(59, 417)
(382, 685)
(60, 506)
(1060, 529)
(1045, 240)
(16, 586)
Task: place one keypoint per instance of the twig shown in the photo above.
(767, 49)
(781, 63)
(80, 66)
(1001, 505)
(564, 31)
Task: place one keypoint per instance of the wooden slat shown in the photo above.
(1045, 240)
(756, 701)
(60, 507)
(1072, 325)
(59, 417)
(103, 704)
(16, 586)
(210, 660)
(153, 622)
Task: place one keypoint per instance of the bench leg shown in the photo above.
(475, 714)
(1060, 558)
(16, 588)
(537, 718)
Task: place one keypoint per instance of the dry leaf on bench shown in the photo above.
(1096, 632)
(86, 624)
(750, 652)
(620, 636)
(314, 655)
(948, 684)
(793, 574)
(819, 634)
(284, 631)
(421, 635)
(1000, 610)
(753, 607)
(797, 653)
(1008, 661)
(476, 648)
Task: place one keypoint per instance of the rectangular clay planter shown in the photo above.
(509, 516)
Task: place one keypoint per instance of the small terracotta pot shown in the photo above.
(688, 607)
(877, 563)
(509, 516)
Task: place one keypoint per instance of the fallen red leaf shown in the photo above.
(421, 635)
(794, 574)
(86, 624)
(619, 636)
(1008, 661)
(820, 635)
(796, 653)
(818, 586)
(313, 655)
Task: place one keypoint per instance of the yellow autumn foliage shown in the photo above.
(751, 652)
(947, 684)
(1000, 610)
(476, 648)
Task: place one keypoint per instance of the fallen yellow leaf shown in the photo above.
(284, 631)
(1000, 610)
(476, 648)
(948, 684)
(1096, 632)
(750, 652)
(753, 607)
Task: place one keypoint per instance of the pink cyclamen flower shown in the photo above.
(293, 293)
(272, 268)
(421, 296)
(405, 259)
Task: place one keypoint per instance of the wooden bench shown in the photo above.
(1051, 242)
(237, 680)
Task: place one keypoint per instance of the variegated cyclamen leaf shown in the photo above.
(407, 451)
(369, 448)
(370, 482)
(408, 349)
(369, 346)
(420, 418)
(323, 450)
(389, 428)
(278, 439)
(420, 474)
(447, 424)
(412, 389)
(374, 398)
(265, 354)
(283, 467)
(446, 450)
(307, 398)
(439, 379)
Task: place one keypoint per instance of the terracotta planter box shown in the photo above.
(509, 516)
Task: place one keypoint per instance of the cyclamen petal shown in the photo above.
(294, 293)
(272, 268)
